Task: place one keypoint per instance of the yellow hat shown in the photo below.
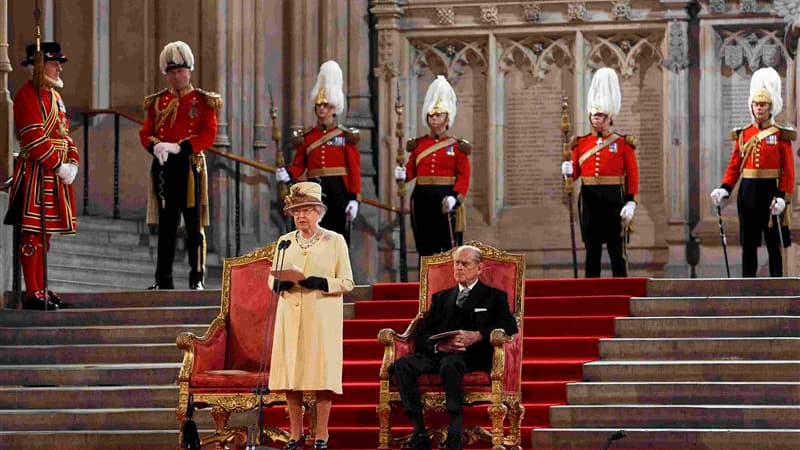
(306, 193)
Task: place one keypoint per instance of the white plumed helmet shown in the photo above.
(765, 86)
(441, 98)
(176, 54)
(604, 94)
(329, 85)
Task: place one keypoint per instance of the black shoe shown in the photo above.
(293, 444)
(319, 444)
(197, 286)
(453, 442)
(56, 300)
(38, 302)
(417, 441)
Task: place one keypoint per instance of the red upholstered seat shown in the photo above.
(220, 368)
(501, 387)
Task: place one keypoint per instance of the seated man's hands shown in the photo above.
(459, 342)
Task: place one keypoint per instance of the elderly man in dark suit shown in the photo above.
(471, 310)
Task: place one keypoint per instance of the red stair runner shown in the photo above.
(564, 320)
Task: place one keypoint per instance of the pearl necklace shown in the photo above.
(304, 243)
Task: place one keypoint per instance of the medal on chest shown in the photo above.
(613, 147)
(337, 141)
(193, 111)
(772, 139)
(450, 151)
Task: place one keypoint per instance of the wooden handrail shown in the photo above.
(244, 160)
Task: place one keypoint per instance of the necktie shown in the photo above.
(462, 297)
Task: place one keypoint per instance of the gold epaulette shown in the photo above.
(631, 140)
(411, 144)
(299, 135)
(351, 135)
(213, 100)
(464, 145)
(150, 99)
(788, 133)
(736, 132)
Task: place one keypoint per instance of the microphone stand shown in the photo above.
(257, 443)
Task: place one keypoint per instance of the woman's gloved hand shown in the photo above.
(315, 283)
(282, 286)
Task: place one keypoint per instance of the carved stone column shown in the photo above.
(7, 144)
(219, 231)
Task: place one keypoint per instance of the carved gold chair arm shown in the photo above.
(388, 338)
(187, 341)
(498, 339)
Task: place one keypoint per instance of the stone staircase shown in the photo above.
(113, 255)
(700, 364)
(101, 375)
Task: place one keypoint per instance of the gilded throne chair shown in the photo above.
(220, 369)
(500, 389)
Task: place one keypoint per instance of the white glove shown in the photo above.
(448, 203)
(352, 210)
(626, 213)
(68, 171)
(400, 173)
(778, 205)
(160, 152)
(718, 195)
(566, 168)
(171, 147)
(282, 175)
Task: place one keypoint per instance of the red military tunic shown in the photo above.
(769, 157)
(614, 164)
(44, 142)
(190, 120)
(333, 152)
(448, 165)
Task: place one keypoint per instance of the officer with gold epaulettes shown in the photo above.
(762, 157)
(440, 165)
(180, 123)
(605, 161)
(328, 153)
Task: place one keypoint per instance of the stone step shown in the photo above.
(101, 237)
(143, 299)
(700, 348)
(691, 371)
(98, 439)
(679, 393)
(90, 354)
(89, 374)
(666, 438)
(110, 316)
(74, 247)
(676, 416)
(101, 419)
(739, 287)
(731, 326)
(94, 223)
(14, 397)
(111, 276)
(112, 334)
(715, 306)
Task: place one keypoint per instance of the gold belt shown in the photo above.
(436, 180)
(327, 172)
(761, 173)
(602, 181)
(59, 145)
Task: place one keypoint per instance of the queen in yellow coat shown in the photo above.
(307, 346)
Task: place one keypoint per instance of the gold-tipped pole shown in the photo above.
(399, 109)
(38, 57)
(566, 155)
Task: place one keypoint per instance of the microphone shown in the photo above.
(284, 244)
(619, 434)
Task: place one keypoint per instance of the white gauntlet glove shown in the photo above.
(718, 195)
(162, 150)
(400, 173)
(282, 175)
(566, 168)
(626, 213)
(778, 205)
(352, 210)
(67, 172)
(448, 203)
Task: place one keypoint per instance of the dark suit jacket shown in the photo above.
(485, 309)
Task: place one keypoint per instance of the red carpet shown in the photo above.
(564, 320)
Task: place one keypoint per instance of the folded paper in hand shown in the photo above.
(293, 274)
(446, 334)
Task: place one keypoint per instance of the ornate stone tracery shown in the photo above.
(452, 54)
(678, 47)
(623, 52)
(754, 48)
(536, 54)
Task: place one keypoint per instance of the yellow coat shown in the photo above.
(307, 346)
